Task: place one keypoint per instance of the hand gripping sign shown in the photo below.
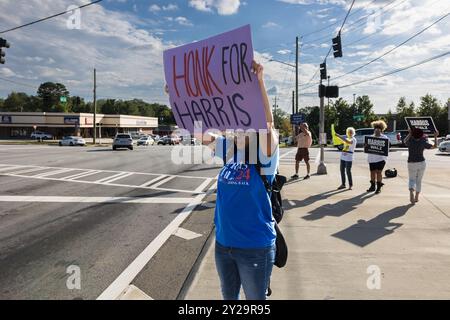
(211, 82)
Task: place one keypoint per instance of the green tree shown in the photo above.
(16, 102)
(364, 107)
(404, 110)
(50, 93)
(429, 106)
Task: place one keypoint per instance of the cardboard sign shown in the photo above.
(424, 123)
(375, 145)
(211, 82)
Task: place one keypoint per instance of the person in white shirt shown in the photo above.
(347, 157)
(377, 162)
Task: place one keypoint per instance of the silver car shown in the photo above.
(72, 141)
(444, 146)
(123, 140)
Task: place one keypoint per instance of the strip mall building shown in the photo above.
(21, 124)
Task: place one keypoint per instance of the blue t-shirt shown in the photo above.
(243, 215)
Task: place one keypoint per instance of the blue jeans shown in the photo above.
(250, 268)
(346, 167)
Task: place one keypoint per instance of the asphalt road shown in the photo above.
(98, 210)
(105, 209)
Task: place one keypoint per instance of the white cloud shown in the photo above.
(284, 51)
(6, 72)
(183, 21)
(170, 7)
(270, 24)
(154, 8)
(128, 58)
(223, 7)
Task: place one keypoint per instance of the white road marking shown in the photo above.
(51, 173)
(126, 277)
(81, 175)
(58, 199)
(161, 182)
(203, 185)
(134, 293)
(107, 181)
(148, 183)
(25, 171)
(186, 234)
(10, 167)
(84, 169)
(289, 152)
(112, 178)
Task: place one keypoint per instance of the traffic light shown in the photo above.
(337, 46)
(323, 71)
(3, 44)
(332, 92)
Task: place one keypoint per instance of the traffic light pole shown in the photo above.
(322, 168)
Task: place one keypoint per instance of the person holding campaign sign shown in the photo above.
(347, 157)
(417, 143)
(376, 160)
(245, 228)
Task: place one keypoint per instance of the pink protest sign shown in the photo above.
(211, 82)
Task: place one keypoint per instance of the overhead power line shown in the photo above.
(50, 17)
(18, 83)
(396, 47)
(376, 13)
(397, 70)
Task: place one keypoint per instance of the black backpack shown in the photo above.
(274, 191)
(390, 173)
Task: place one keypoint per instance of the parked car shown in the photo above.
(360, 134)
(146, 141)
(166, 140)
(72, 141)
(123, 140)
(444, 146)
(41, 135)
(189, 141)
(395, 138)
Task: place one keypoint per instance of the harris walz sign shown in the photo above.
(424, 123)
(375, 145)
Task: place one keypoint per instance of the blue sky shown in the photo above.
(124, 40)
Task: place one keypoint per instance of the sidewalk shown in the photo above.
(338, 239)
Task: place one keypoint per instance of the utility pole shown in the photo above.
(293, 112)
(95, 105)
(322, 169)
(296, 74)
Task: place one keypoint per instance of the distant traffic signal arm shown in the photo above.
(3, 44)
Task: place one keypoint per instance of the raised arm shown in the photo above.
(272, 134)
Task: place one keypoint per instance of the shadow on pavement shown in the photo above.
(338, 209)
(365, 232)
(310, 200)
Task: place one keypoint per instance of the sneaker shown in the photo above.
(341, 187)
(306, 177)
(295, 176)
(350, 187)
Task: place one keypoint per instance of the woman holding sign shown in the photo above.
(245, 228)
(417, 143)
(377, 162)
(347, 157)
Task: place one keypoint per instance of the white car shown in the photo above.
(123, 140)
(41, 135)
(445, 146)
(72, 141)
(146, 141)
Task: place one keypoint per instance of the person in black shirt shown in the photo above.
(417, 143)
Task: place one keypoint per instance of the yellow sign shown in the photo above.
(336, 140)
